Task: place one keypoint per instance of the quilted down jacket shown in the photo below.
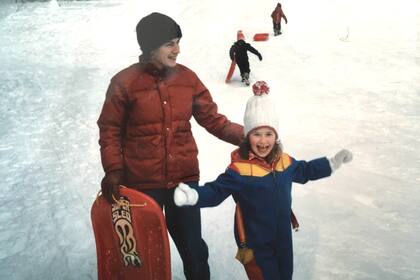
(145, 125)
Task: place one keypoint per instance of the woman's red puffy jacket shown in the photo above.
(145, 125)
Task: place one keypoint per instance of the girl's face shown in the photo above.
(262, 141)
(166, 54)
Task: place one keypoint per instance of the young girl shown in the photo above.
(260, 179)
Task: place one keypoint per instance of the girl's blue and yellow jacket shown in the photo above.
(263, 192)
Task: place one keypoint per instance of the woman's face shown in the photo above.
(262, 141)
(165, 55)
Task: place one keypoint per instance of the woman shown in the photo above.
(145, 133)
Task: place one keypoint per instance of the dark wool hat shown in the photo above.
(154, 30)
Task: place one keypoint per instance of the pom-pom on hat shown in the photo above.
(155, 30)
(260, 109)
(260, 88)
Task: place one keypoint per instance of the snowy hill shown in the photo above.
(346, 74)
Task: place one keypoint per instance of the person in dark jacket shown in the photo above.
(277, 15)
(239, 52)
(260, 179)
(145, 135)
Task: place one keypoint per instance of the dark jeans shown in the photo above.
(277, 26)
(184, 226)
(243, 66)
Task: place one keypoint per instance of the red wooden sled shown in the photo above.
(131, 238)
(230, 72)
(261, 37)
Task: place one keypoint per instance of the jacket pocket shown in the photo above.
(184, 143)
(149, 146)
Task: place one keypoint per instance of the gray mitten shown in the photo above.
(341, 157)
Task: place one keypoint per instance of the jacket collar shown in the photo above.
(154, 71)
(254, 159)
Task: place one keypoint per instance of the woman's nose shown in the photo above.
(176, 48)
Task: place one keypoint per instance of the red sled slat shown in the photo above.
(261, 37)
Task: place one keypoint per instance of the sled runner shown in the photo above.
(131, 238)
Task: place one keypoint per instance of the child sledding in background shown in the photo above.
(277, 15)
(239, 52)
(260, 179)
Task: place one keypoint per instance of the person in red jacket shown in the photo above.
(145, 138)
(276, 15)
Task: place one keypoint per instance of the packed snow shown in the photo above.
(344, 74)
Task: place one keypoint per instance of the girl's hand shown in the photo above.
(341, 157)
(185, 195)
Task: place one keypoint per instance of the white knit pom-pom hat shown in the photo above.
(260, 109)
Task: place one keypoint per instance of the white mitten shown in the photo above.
(185, 195)
(341, 157)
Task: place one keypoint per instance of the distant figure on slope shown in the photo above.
(260, 179)
(276, 15)
(239, 52)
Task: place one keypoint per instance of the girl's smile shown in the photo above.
(262, 141)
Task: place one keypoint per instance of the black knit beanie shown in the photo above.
(154, 30)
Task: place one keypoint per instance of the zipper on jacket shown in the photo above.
(274, 174)
(273, 171)
(165, 134)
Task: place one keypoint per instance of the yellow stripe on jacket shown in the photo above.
(252, 168)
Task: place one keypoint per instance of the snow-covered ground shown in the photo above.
(345, 74)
